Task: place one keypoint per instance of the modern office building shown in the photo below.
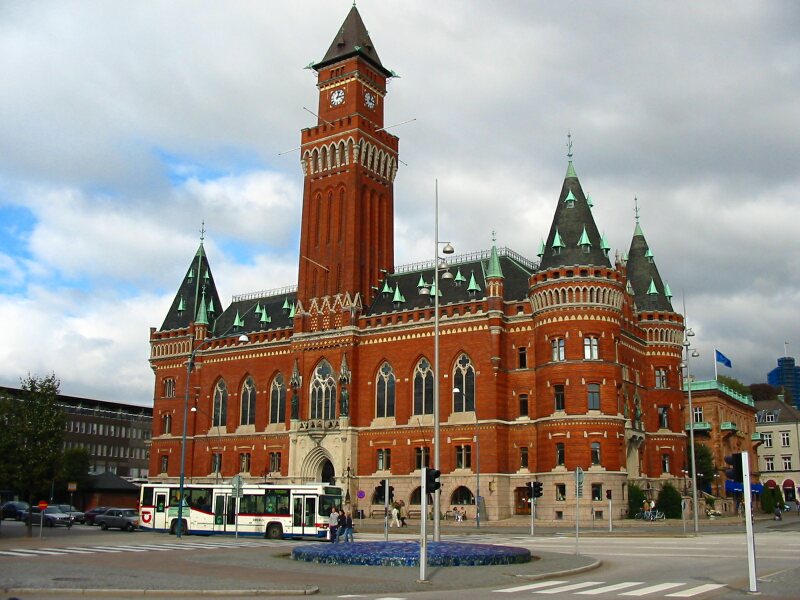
(786, 376)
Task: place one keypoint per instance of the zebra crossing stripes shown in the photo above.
(580, 588)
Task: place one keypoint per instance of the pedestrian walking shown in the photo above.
(403, 514)
(333, 524)
(341, 524)
(348, 527)
(395, 522)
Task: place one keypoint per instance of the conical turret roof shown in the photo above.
(351, 40)
(650, 292)
(573, 239)
(197, 296)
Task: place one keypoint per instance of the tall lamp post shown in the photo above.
(446, 249)
(218, 466)
(189, 367)
(691, 353)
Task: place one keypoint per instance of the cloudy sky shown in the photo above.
(125, 125)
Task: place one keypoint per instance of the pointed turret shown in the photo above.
(573, 239)
(196, 297)
(649, 290)
(352, 40)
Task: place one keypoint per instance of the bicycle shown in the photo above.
(648, 515)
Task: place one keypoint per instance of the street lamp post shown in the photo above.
(691, 353)
(446, 249)
(189, 367)
(218, 466)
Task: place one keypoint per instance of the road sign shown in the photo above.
(72, 486)
(361, 494)
(42, 505)
(579, 482)
(237, 481)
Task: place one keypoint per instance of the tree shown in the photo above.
(669, 501)
(705, 466)
(74, 469)
(734, 384)
(763, 391)
(35, 430)
(635, 500)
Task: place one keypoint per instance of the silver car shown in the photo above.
(126, 519)
(53, 516)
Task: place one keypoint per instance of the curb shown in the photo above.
(106, 593)
(590, 567)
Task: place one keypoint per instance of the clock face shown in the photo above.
(337, 97)
(369, 100)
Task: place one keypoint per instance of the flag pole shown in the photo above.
(715, 364)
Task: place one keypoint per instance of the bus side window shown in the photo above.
(161, 500)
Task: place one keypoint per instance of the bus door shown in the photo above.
(160, 516)
(224, 512)
(304, 515)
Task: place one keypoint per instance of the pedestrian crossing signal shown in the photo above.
(432, 480)
(736, 472)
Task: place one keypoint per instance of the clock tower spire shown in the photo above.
(349, 164)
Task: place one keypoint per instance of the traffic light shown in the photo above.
(537, 489)
(432, 480)
(608, 494)
(529, 485)
(736, 471)
(391, 493)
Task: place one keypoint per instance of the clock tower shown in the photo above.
(349, 163)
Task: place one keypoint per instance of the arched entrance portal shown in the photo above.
(328, 473)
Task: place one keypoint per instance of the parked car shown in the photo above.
(126, 519)
(90, 515)
(77, 516)
(14, 509)
(52, 516)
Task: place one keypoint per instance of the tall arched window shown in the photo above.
(423, 388)
(248, 402)
(277, 400)
(220, 412)
(169, 388)
(384, 392)
(464, 381)
(323, 392)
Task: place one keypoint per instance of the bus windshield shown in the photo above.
(327, 502)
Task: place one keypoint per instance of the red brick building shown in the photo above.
(571, 360)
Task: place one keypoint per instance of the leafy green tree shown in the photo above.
(669, 501)
(767, 500)
(734, 384)
(74, 469)
(763, 391)
(35, 430)
(635, 500)
(704, 460)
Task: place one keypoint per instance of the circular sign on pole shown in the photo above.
(361, 494)
(42, 504)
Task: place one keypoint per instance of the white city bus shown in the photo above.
(264, 510)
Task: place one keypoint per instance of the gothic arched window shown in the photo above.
(220, 412)
(423, 388)
(248, 402)
(277, 400)
(323, 392)
(464, 382)
(384, 392)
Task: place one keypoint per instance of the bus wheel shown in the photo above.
(274, 532)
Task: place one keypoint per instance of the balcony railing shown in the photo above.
(728, 426)
(700, 426)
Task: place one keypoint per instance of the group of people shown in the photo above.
(399, 515)
(459, 514)
(649, 509)
(340, 525)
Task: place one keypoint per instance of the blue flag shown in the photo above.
(721, 358)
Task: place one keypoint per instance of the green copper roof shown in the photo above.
(629, 288)
(540, 254)
(604, 243)
(238, 321)
(571, 171)
(286, 303)
(638, 230)
(434, 290)
(459, 277)
(494, 270)
(291, 312)
(190, 275)
(422, 283)
(652, 289)
(387, 289)
(570, 197)
(473, 285)
(202, 317)
(667, 291)
(206, 275)
(182, 305)
(589, 201)
(265, 318)
(211, 310)
(557, 241)
(584, 241)
(258, 308)
(398, 297)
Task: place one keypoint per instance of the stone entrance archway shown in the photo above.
(328, 473)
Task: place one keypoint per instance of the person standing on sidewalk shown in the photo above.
(333, 524)
(348, 527)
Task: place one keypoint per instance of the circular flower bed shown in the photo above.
(406, 554)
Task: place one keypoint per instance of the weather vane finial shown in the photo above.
(569, 145)
(636, 208)
(202, 231)
(494, 236)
